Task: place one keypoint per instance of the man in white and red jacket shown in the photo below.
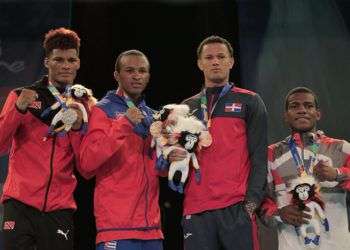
(307, 152)
(38, 192)
(117, 151)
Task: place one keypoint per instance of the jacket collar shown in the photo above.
(44, 82)
(305, 139)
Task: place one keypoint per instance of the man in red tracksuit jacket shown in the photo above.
(219, 211)
(38, 192)
(117, 151)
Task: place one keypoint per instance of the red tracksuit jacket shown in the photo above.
(40, 171)
(127, 187)
(234, 167)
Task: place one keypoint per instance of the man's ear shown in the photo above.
(318, 115)
(46, 62)
(116, 75)
(78, 63)
(232, 62)
(285, 119)
(199, 64)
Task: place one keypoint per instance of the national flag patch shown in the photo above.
(35, 105)
(9, 225)
(233, 107)
(110, 245)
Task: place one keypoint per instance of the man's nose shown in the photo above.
(137, 75)
(66, 65)
(215, 61)
(301, 109)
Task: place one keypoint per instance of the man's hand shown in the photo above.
(292, 215)
(177, 155)
(324, 172)
(250, 207)
(77, 124)
(26, 98)
(134, 115)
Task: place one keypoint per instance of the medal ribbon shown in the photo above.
(299, 161)
(206, 116)
(148, 117)
(58, 96)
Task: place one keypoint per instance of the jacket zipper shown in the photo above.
(210, 106)
(51, 172)
(147, 183)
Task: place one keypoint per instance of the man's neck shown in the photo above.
(214, 84)
(135, 99)
(313, 130)
(305, 137)
(59, 85)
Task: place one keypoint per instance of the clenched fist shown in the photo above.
(134, 115)
(324, 172)
(26, 98)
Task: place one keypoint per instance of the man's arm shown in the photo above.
(257, 145)
(270, 212)
(343, 172)
(10, 119)
(76, 135)
(103, 140)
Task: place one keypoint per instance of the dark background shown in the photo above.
(279, 44)
(167, 32)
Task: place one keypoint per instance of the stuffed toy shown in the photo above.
(176, 129)
(77, 97)
(162, 127)
(305, 194)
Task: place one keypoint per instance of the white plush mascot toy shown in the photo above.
(176, 129)
(165, 121)
(77, 97)
(305, 194)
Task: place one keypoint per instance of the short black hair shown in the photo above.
(300, 90)
(214, 39)
(61, 38)
(132, 52)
